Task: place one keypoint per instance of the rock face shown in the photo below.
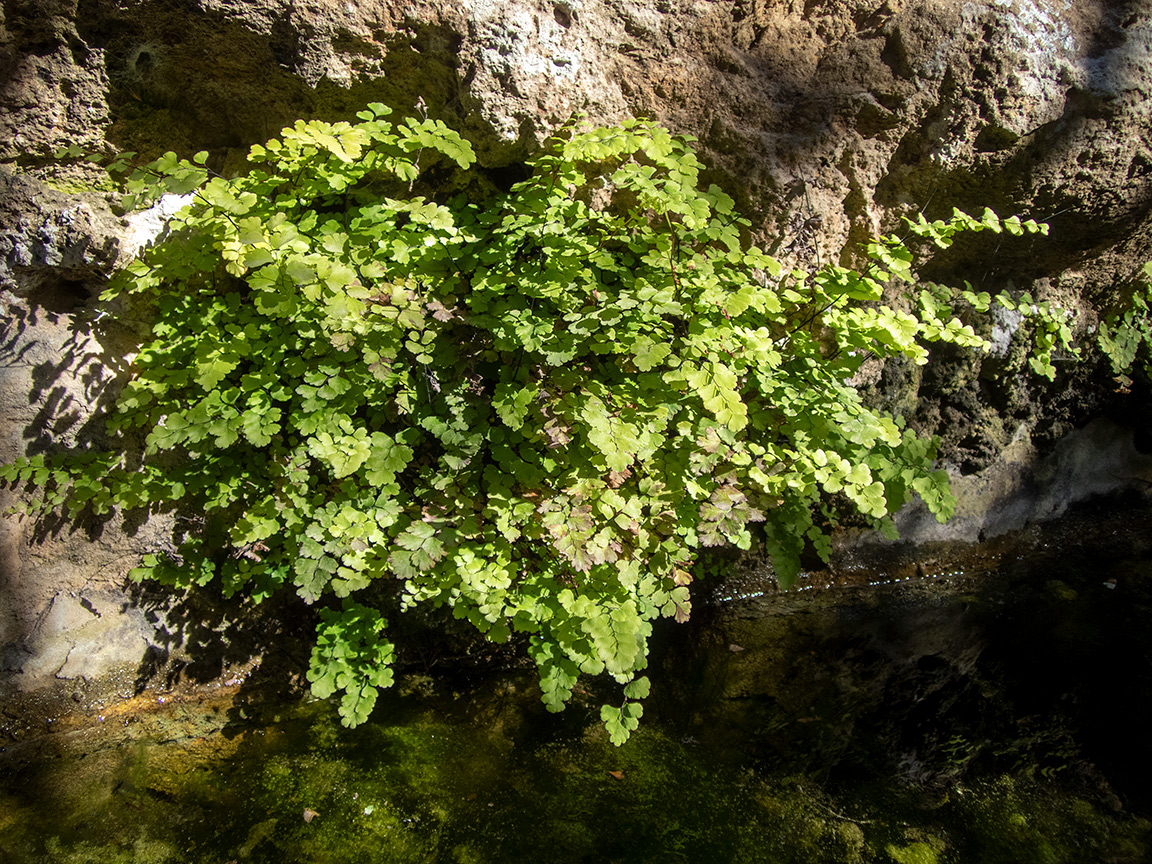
(826, 120)
(64, 613)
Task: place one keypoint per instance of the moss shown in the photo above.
(1015, 819)
(848, 843)
(142, 851)
(1061, 590)
(916, 853)
(73, 182)
(65, 175)
(428, 783)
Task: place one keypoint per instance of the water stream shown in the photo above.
(988, 705)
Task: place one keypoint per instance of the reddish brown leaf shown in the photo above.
(616, 479)
(439, 311)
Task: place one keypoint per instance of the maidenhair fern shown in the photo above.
(1127, 330)
(535, 410)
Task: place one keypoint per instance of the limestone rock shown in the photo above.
(64, 610)
(85, 635)
(53, 244)
(54, 86)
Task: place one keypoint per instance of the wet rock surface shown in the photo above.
(1035, 636)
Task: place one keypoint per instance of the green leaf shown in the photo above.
(617, 636)
(299, 271)
(344, 454)
(621, 722)
(648, 354)
(423, 544)
(615, 439)
(638, 688)
(512, 403)
(350, 655)
(716, 385)
(386, 459)
(313, 576)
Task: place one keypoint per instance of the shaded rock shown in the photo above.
(54, 86)
(1022, 487)
(59, 247)
(63, 609)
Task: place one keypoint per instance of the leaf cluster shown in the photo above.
(534, 411)
(1126, 330)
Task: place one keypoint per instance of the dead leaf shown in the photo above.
(616, 775)
(557, 431)
(735, 649)
(252, 552)
(616, 479)
(439, 311)
(309, 815)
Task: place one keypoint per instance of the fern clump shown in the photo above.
(534, 410)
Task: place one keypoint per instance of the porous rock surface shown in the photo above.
(826, 120)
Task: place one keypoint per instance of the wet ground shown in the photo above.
(955, 705)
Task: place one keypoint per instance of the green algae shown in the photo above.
(439, 781)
